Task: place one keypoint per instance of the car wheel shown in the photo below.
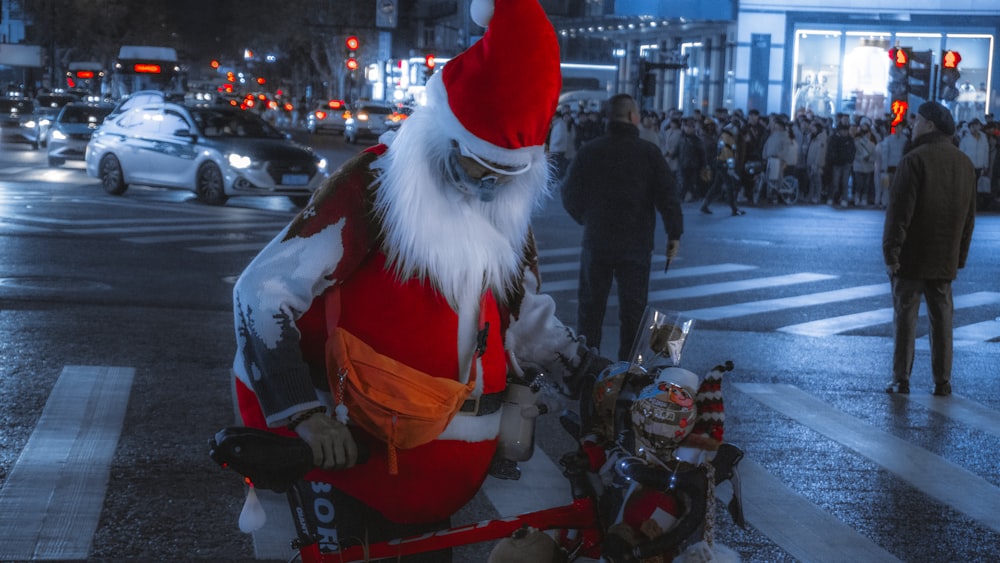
(34, 145)
(209, 185)
(53, 161)
(112, 178)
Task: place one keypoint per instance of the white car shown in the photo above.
(215, 151)
(71, 130)
(368, 120)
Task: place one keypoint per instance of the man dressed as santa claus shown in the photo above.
(426, 244)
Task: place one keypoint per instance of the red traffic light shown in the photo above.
(352, 63)
(429, 61)
(899, 56)
(352, 43)
(950, 59)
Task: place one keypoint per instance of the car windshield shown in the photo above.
(232, 123)
(84, 114)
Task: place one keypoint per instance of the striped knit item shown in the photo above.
(708, 428)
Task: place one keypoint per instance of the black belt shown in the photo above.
(483, 404)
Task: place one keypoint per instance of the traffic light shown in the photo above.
(899, 87)
(429, 64)
(919, 80)
(948, 81)
(352, 53)
(899, 74)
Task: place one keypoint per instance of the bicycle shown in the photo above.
(771, 184)
(268, 461)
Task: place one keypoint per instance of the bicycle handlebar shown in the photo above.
(268, 460)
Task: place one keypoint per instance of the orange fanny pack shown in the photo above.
(395, 403)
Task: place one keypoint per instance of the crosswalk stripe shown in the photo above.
(689, 272)
(705, 290)
(804, 530)
(51, 502)
(542, 485)
(948, 483)
(220, 248)
(175, 228)
(961, 410)
(844, 323)
(967, 335)
(771, 305)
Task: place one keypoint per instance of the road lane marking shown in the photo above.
(709, 289)
(273, 541)
(960, 409)
(203, 226)
(796, 525)
(542, 485)
(967, 335)
(234, 247)
(51, 502)
(946, 482)
(844, 323)
(689, 272)
(771, 305)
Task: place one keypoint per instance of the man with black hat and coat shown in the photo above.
(928, 229)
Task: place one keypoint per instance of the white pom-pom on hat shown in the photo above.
(482, 12)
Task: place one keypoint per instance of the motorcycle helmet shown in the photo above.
(664, 413)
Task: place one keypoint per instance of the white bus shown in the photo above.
(141, 67)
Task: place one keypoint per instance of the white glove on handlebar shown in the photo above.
(332, 444)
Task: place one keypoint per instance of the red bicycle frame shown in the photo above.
(578, 523)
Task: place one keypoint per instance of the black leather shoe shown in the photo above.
(738, 212)
(900, 387)
(942, 389)
(706, 210)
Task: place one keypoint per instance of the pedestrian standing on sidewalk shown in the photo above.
(614, 188)
(928, 229)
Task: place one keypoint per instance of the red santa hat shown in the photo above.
(498, 97)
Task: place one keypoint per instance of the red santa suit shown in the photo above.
(420, 267)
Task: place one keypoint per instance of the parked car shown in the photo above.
(71, 130)
(213, 150)
(327, 116)
(35, 126)
(12, 112)
(367, 120)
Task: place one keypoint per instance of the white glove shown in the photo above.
(332, 444)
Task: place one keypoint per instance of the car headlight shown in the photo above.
(321, 164)
(30, 124)
(44, 122)
(58, 135)
(240, 161)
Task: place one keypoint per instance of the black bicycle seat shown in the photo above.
(270, 461)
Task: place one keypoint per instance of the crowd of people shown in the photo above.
(843, 161)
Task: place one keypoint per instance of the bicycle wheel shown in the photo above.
(788, 191)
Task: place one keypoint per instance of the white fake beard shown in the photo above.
(436, 232)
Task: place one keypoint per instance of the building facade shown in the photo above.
(808, 54)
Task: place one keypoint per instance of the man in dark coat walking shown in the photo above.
(614, 188)
(928, 229)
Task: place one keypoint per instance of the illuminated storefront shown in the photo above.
(849, 71)
(791, 56)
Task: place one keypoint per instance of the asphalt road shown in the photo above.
(115, 319)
